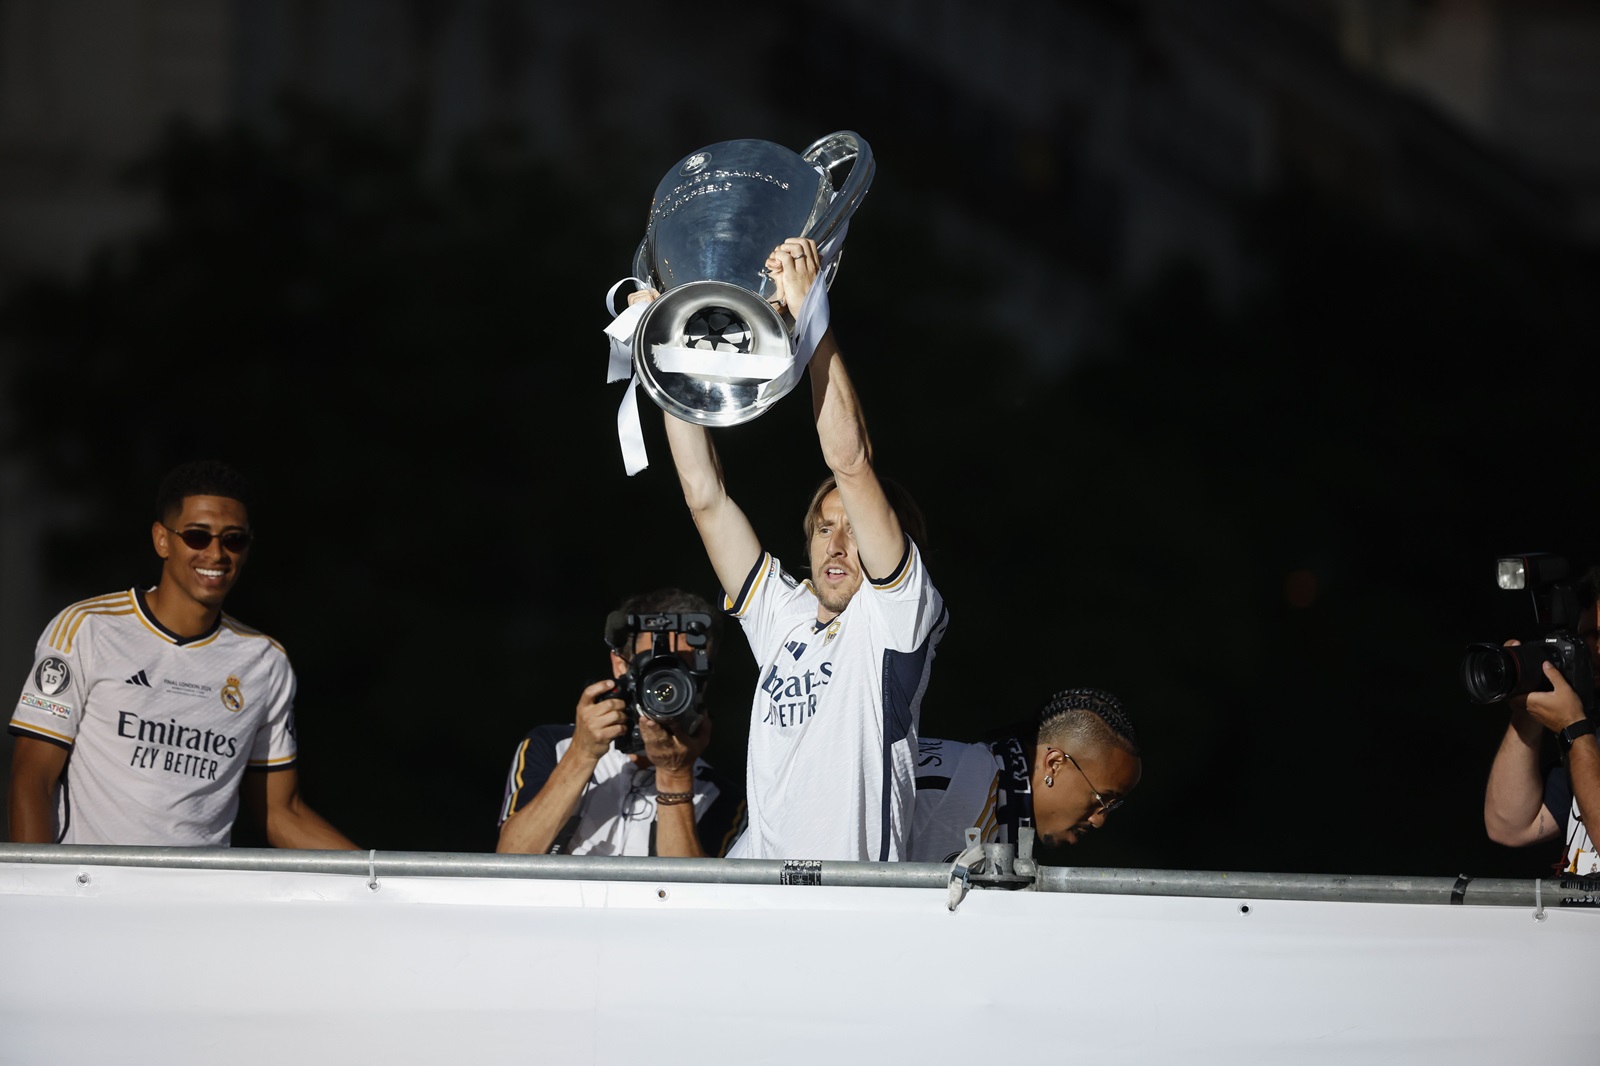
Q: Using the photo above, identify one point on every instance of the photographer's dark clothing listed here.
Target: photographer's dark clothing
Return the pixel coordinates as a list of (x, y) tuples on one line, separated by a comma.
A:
[(617, 814), (1579, 854)]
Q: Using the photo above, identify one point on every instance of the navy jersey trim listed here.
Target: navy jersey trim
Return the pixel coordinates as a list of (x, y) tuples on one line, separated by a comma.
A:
[(903, 672), (737, 604), (155, 623), (20, 729), (900, 568), (537, 758), (274, 768)]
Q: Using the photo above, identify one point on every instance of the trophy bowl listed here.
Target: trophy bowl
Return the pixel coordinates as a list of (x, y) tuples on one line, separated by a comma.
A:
[(715, 218)]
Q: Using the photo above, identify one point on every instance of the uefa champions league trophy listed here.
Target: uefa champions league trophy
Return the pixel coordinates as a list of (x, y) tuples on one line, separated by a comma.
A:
[(711, 349)]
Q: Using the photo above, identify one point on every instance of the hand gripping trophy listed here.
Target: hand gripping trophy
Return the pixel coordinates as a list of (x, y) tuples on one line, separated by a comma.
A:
[(712, 350)]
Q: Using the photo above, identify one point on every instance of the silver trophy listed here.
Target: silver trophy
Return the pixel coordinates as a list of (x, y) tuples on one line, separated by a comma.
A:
[(711, 349)]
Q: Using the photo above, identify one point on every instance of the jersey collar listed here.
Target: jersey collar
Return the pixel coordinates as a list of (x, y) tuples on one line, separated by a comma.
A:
[(148, 617)]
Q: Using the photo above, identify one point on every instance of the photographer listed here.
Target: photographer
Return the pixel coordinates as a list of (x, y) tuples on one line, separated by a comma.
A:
[(618, 782), (1521, 807)]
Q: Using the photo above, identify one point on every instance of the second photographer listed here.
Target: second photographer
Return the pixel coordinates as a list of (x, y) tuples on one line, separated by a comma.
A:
[(1523, 805), (626, 777)]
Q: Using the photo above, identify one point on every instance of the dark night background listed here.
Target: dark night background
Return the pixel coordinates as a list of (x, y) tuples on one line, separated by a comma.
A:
[(1224, 344)]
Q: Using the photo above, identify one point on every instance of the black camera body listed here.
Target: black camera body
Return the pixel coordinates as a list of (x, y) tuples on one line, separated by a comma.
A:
[(1492, 673), (659, 681)]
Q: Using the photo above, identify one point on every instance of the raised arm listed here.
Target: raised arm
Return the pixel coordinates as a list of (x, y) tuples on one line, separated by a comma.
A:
[(841, 426), (731, 542)]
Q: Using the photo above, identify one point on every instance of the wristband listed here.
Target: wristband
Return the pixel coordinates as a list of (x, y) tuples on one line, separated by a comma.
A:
[(668, 799), (1582, 728)]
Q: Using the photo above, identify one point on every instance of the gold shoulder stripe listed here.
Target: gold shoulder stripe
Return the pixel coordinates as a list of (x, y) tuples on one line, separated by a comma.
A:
[(39, 730), (83, 616), (522, 764), (905, 570), (759, 576), (240, 629), (64, 619), (279, 761)]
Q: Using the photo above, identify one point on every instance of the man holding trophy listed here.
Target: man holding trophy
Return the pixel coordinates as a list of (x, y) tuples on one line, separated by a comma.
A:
[(844, 657)]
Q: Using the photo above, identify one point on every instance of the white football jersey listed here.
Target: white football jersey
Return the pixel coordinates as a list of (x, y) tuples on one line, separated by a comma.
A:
[(833, 725), (160, 729), (968, 786)]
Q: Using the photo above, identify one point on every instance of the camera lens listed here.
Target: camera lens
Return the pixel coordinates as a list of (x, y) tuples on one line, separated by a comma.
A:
[(1492, 673), (1488, 673), (666, 692)]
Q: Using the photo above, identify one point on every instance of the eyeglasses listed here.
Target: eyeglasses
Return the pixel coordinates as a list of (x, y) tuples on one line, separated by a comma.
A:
[(234, 540), (1106, 806)]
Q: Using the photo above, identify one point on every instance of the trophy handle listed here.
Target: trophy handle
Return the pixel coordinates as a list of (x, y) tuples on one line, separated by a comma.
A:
[(830, 153)]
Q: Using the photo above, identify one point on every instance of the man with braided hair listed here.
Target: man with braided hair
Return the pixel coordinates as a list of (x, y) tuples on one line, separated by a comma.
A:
[(1061, 774)]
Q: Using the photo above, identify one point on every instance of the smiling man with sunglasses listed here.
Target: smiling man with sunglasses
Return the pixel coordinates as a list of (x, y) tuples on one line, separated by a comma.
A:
[(146, 709), (1061, 774)]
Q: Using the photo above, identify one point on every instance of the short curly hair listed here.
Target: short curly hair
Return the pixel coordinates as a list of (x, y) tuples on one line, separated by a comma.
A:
[(202, 477)]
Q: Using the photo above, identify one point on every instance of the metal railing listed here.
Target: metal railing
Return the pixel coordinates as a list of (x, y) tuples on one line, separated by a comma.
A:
[(1492, 892)]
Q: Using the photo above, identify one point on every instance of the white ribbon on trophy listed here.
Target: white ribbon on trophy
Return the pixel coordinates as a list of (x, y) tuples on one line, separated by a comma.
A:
[(810, 324)]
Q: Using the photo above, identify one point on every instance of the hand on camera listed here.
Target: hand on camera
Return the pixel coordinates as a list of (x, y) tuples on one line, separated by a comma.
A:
[(598, 722), (1557, 709), (673, 755)]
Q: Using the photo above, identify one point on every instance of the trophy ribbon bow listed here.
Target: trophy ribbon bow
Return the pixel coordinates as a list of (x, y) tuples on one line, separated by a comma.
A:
[(810, 324)]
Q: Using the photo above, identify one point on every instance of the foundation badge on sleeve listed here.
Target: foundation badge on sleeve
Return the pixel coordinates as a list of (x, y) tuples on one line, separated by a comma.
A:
[(232, 697)]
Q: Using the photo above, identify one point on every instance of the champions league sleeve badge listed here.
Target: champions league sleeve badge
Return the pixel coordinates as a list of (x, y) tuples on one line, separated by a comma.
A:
[(51, 677)]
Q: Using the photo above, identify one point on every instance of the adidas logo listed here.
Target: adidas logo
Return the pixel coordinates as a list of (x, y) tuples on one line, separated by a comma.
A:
[(796, 648), (138, 679)]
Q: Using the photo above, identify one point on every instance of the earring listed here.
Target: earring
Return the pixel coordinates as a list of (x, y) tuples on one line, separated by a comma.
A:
[(1049, 781)]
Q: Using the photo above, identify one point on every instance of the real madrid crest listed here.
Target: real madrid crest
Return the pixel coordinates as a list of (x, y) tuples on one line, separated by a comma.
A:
[(232, 695), (832, 631)]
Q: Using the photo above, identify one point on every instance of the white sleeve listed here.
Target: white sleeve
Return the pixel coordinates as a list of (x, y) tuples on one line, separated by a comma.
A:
[(275, 746), (770, 605), (905, 605), (53, 696)]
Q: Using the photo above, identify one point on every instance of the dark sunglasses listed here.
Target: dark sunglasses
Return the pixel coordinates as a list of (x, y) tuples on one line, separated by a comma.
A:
[(234, 540)]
